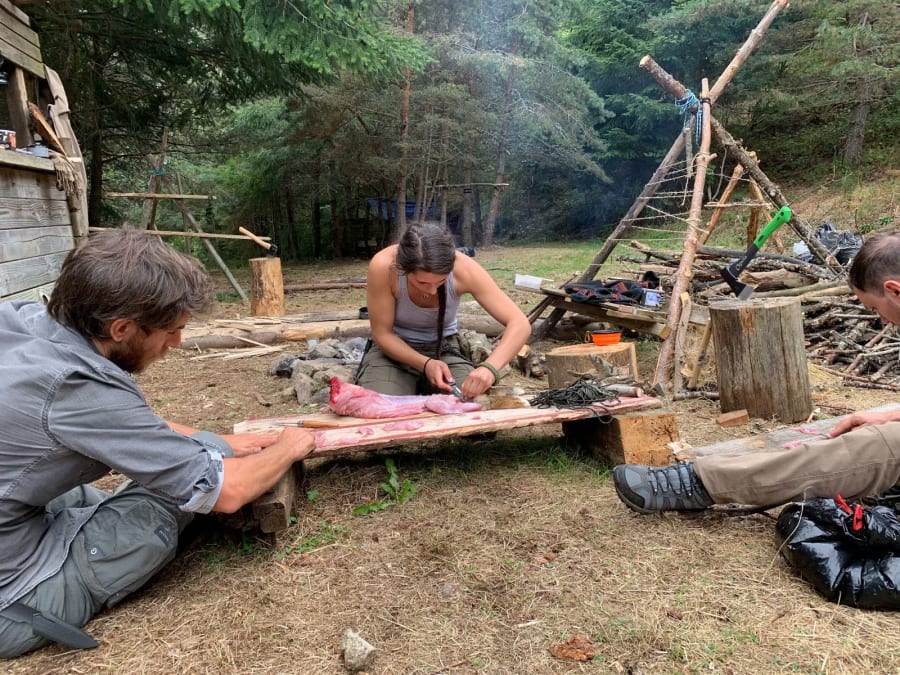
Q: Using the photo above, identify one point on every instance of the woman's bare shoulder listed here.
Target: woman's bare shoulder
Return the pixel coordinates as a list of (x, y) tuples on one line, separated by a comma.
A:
[(384, 259)]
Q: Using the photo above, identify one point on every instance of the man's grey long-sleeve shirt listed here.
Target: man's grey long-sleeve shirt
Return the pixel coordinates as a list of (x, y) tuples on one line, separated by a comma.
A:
[(67, 416)]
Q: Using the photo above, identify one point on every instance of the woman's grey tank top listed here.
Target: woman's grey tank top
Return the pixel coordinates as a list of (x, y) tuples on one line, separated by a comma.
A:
[(418, 324)]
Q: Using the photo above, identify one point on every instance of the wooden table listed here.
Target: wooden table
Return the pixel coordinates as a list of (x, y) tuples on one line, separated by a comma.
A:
[(632, 317)]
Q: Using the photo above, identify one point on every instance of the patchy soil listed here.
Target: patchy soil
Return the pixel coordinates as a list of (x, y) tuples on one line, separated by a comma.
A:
[(511, 547)]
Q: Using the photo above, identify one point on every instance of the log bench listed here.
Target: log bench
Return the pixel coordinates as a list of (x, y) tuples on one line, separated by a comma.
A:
[(339, 436)]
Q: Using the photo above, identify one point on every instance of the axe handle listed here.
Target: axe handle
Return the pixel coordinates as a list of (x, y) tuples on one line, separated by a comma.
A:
[(248, 233), (782, 216)]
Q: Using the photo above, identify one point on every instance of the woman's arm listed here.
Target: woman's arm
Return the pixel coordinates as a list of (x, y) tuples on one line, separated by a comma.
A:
[(470, 277)]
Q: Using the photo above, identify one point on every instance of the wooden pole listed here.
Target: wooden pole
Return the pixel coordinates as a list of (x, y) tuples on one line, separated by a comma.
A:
[(214, 254), (684, 273), (742, 54), (157, 163), (720, 209)]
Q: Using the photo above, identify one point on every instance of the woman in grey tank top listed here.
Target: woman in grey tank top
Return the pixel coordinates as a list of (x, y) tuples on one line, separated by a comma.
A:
[(414, 291)]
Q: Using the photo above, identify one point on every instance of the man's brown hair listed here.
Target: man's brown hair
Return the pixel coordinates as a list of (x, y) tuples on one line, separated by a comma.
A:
[(876, 262), (127, 274)]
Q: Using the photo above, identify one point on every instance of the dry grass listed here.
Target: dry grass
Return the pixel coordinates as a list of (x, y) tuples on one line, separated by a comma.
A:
[(510, 546)]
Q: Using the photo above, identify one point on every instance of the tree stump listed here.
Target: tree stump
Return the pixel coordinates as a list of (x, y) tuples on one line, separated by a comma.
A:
[(266, 287), (567, 364), (760, 358)]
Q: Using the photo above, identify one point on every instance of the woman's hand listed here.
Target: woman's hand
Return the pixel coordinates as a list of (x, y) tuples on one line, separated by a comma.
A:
[(477, 382), (438, 374)]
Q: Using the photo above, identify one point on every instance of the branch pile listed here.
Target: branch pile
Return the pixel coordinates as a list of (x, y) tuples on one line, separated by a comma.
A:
[(848, 340)]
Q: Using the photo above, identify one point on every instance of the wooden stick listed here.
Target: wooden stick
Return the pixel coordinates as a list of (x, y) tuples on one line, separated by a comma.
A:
[(684, 274), (176, 233), (701, 355), (720, 206), (155, 195)]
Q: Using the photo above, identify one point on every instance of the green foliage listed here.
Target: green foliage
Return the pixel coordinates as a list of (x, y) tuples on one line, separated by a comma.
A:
[(289, 112), (396, 492)]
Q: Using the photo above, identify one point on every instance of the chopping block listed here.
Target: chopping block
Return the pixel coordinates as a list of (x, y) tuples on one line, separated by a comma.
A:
[(566, 364), (641, 437)]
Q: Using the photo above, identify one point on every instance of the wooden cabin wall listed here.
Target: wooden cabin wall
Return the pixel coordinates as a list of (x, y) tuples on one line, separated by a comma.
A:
[(36, 222), (35, 228)]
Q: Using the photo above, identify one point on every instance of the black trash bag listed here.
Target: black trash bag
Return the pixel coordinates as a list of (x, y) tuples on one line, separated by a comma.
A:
[(842, 245), (850, 558)]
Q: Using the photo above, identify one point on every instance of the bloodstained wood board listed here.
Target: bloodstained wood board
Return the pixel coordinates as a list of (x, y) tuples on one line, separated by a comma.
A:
[(353, 434)]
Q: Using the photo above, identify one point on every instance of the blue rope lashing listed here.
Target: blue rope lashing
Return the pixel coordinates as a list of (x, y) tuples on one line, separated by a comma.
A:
[(684, 105)]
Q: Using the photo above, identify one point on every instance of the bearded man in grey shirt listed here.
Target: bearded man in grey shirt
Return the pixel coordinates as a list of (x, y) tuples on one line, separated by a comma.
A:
[(70, 412)]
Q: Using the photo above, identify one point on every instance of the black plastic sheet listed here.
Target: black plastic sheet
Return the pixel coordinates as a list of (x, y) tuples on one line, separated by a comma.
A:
[(850, 558), (842, 245)]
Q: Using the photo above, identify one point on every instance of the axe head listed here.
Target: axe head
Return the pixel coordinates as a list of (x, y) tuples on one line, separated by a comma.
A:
[(741, 290), (272, 251)]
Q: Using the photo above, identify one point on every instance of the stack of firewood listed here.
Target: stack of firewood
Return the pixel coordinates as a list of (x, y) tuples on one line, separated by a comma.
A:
[(845, 338)]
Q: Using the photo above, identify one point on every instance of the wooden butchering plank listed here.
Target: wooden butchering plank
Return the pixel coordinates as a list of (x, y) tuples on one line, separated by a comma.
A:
[(360, 435)]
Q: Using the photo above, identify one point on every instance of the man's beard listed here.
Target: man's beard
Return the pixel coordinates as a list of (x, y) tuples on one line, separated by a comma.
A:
[(129, 356)]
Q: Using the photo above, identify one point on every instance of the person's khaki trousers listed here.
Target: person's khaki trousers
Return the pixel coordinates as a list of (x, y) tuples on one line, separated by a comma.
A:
[(861, 463)]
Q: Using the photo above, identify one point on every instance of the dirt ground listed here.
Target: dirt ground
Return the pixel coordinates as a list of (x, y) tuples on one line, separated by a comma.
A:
[(510, 546)]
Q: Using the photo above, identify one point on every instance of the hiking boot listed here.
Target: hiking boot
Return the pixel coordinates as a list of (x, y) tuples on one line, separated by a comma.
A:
[(648, 489)]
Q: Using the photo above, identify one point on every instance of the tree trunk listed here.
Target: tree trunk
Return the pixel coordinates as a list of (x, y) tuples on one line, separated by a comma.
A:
[(500, 175), (856, 133), (293, 245), (266, 287), (315, 206), (400, 222), (468, 211)]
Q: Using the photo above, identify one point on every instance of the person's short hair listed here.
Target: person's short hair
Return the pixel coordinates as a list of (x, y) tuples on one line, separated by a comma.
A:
[(127, 274), (426, 246), (877, 261)]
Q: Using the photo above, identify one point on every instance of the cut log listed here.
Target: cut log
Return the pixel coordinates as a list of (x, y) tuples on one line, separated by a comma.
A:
[(631, 438), (760, 358), (733, 419), (266, 287), (567, 364)]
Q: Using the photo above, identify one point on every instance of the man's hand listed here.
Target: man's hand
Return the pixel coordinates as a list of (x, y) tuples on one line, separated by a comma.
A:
[(299, 440), (249, 443), (863, 419)]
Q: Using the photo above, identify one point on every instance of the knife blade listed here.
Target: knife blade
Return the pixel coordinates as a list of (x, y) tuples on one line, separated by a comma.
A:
[(49, 625), (457, 391)]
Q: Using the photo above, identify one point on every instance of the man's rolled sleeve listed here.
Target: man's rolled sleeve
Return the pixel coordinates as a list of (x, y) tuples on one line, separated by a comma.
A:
[(207, 489)]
